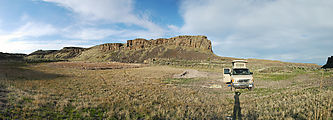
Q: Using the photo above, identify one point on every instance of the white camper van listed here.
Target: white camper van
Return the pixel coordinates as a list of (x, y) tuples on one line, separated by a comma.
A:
[(239, 76)]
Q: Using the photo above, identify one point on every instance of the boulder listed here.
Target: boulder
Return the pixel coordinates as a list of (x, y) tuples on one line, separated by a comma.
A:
[(190, 74), (329, 63)]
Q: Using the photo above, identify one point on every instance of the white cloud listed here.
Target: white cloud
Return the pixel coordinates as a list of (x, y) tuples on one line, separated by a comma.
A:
[(16, 41), (29, 30), (111, 11), (90, 33), (287, 30), (35, 30), (94, 14), (27, 46), (174, 28), (25, 17)]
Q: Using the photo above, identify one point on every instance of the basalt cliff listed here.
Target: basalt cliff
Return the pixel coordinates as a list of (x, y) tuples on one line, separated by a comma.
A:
[(136, 51)]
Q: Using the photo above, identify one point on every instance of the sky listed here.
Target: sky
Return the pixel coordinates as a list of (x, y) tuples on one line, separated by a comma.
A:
[(285, 30)]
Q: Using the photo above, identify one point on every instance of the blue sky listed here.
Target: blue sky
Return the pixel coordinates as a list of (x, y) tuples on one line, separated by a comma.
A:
[(292, 31)]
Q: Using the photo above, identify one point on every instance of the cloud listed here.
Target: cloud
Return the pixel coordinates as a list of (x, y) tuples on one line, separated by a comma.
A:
[(112, 10), (90, 33), (29, 29), (28, 46), (109, 11), (94, 22), (20, 40), (279, 29), (122, 21)]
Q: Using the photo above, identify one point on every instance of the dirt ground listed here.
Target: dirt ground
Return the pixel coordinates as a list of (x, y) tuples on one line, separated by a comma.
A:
[(65, 91)]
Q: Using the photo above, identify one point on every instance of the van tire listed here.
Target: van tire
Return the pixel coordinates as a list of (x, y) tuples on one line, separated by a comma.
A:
[(251, 88)]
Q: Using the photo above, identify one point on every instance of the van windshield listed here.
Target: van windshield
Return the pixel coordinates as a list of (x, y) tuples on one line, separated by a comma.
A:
[(241, 72)]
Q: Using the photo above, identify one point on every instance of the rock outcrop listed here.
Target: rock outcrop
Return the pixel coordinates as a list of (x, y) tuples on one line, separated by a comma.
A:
[(199, 42), (111, 46), (135, 51), (329, 63)]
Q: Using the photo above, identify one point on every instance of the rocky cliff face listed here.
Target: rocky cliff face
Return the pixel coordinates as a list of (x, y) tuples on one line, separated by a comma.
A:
[(199, 42), (137, 50), (111, 46), (329, 63)]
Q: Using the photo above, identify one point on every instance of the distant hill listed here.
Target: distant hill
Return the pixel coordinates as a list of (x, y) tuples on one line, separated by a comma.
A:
[(12, 56), (136, 51)]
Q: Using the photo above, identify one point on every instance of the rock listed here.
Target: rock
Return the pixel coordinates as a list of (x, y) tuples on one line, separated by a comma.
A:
[(200, 42), (138, 43), (191, 74), (329, 63), (215, 86), (72, 49), (138, 50), (111, 46)]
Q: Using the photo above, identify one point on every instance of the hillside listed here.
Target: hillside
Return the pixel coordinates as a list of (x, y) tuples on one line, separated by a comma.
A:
[(136, 51), (11, 56)]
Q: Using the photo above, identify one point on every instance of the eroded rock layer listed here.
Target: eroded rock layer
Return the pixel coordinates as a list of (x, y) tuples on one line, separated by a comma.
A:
[(137, 50), (200, 42)]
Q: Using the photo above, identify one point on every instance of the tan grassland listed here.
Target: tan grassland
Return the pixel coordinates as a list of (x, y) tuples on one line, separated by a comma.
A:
[(79, 90)]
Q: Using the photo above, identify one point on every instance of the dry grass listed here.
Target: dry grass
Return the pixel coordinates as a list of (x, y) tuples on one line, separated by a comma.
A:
[(95, 66), (61, 91)]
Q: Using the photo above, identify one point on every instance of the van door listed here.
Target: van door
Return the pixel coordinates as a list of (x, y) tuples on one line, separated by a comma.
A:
[(226, 75)]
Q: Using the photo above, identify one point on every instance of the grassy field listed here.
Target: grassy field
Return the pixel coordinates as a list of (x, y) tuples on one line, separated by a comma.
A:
[(131, 91)]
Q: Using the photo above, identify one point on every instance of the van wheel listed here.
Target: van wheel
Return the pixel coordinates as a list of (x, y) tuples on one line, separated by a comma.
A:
[(251, 88)]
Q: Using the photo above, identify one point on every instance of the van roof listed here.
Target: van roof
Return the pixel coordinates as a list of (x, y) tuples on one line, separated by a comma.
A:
[(239, 61)]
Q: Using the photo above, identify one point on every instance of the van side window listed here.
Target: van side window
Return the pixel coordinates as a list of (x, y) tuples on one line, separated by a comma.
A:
[(226, 71)]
